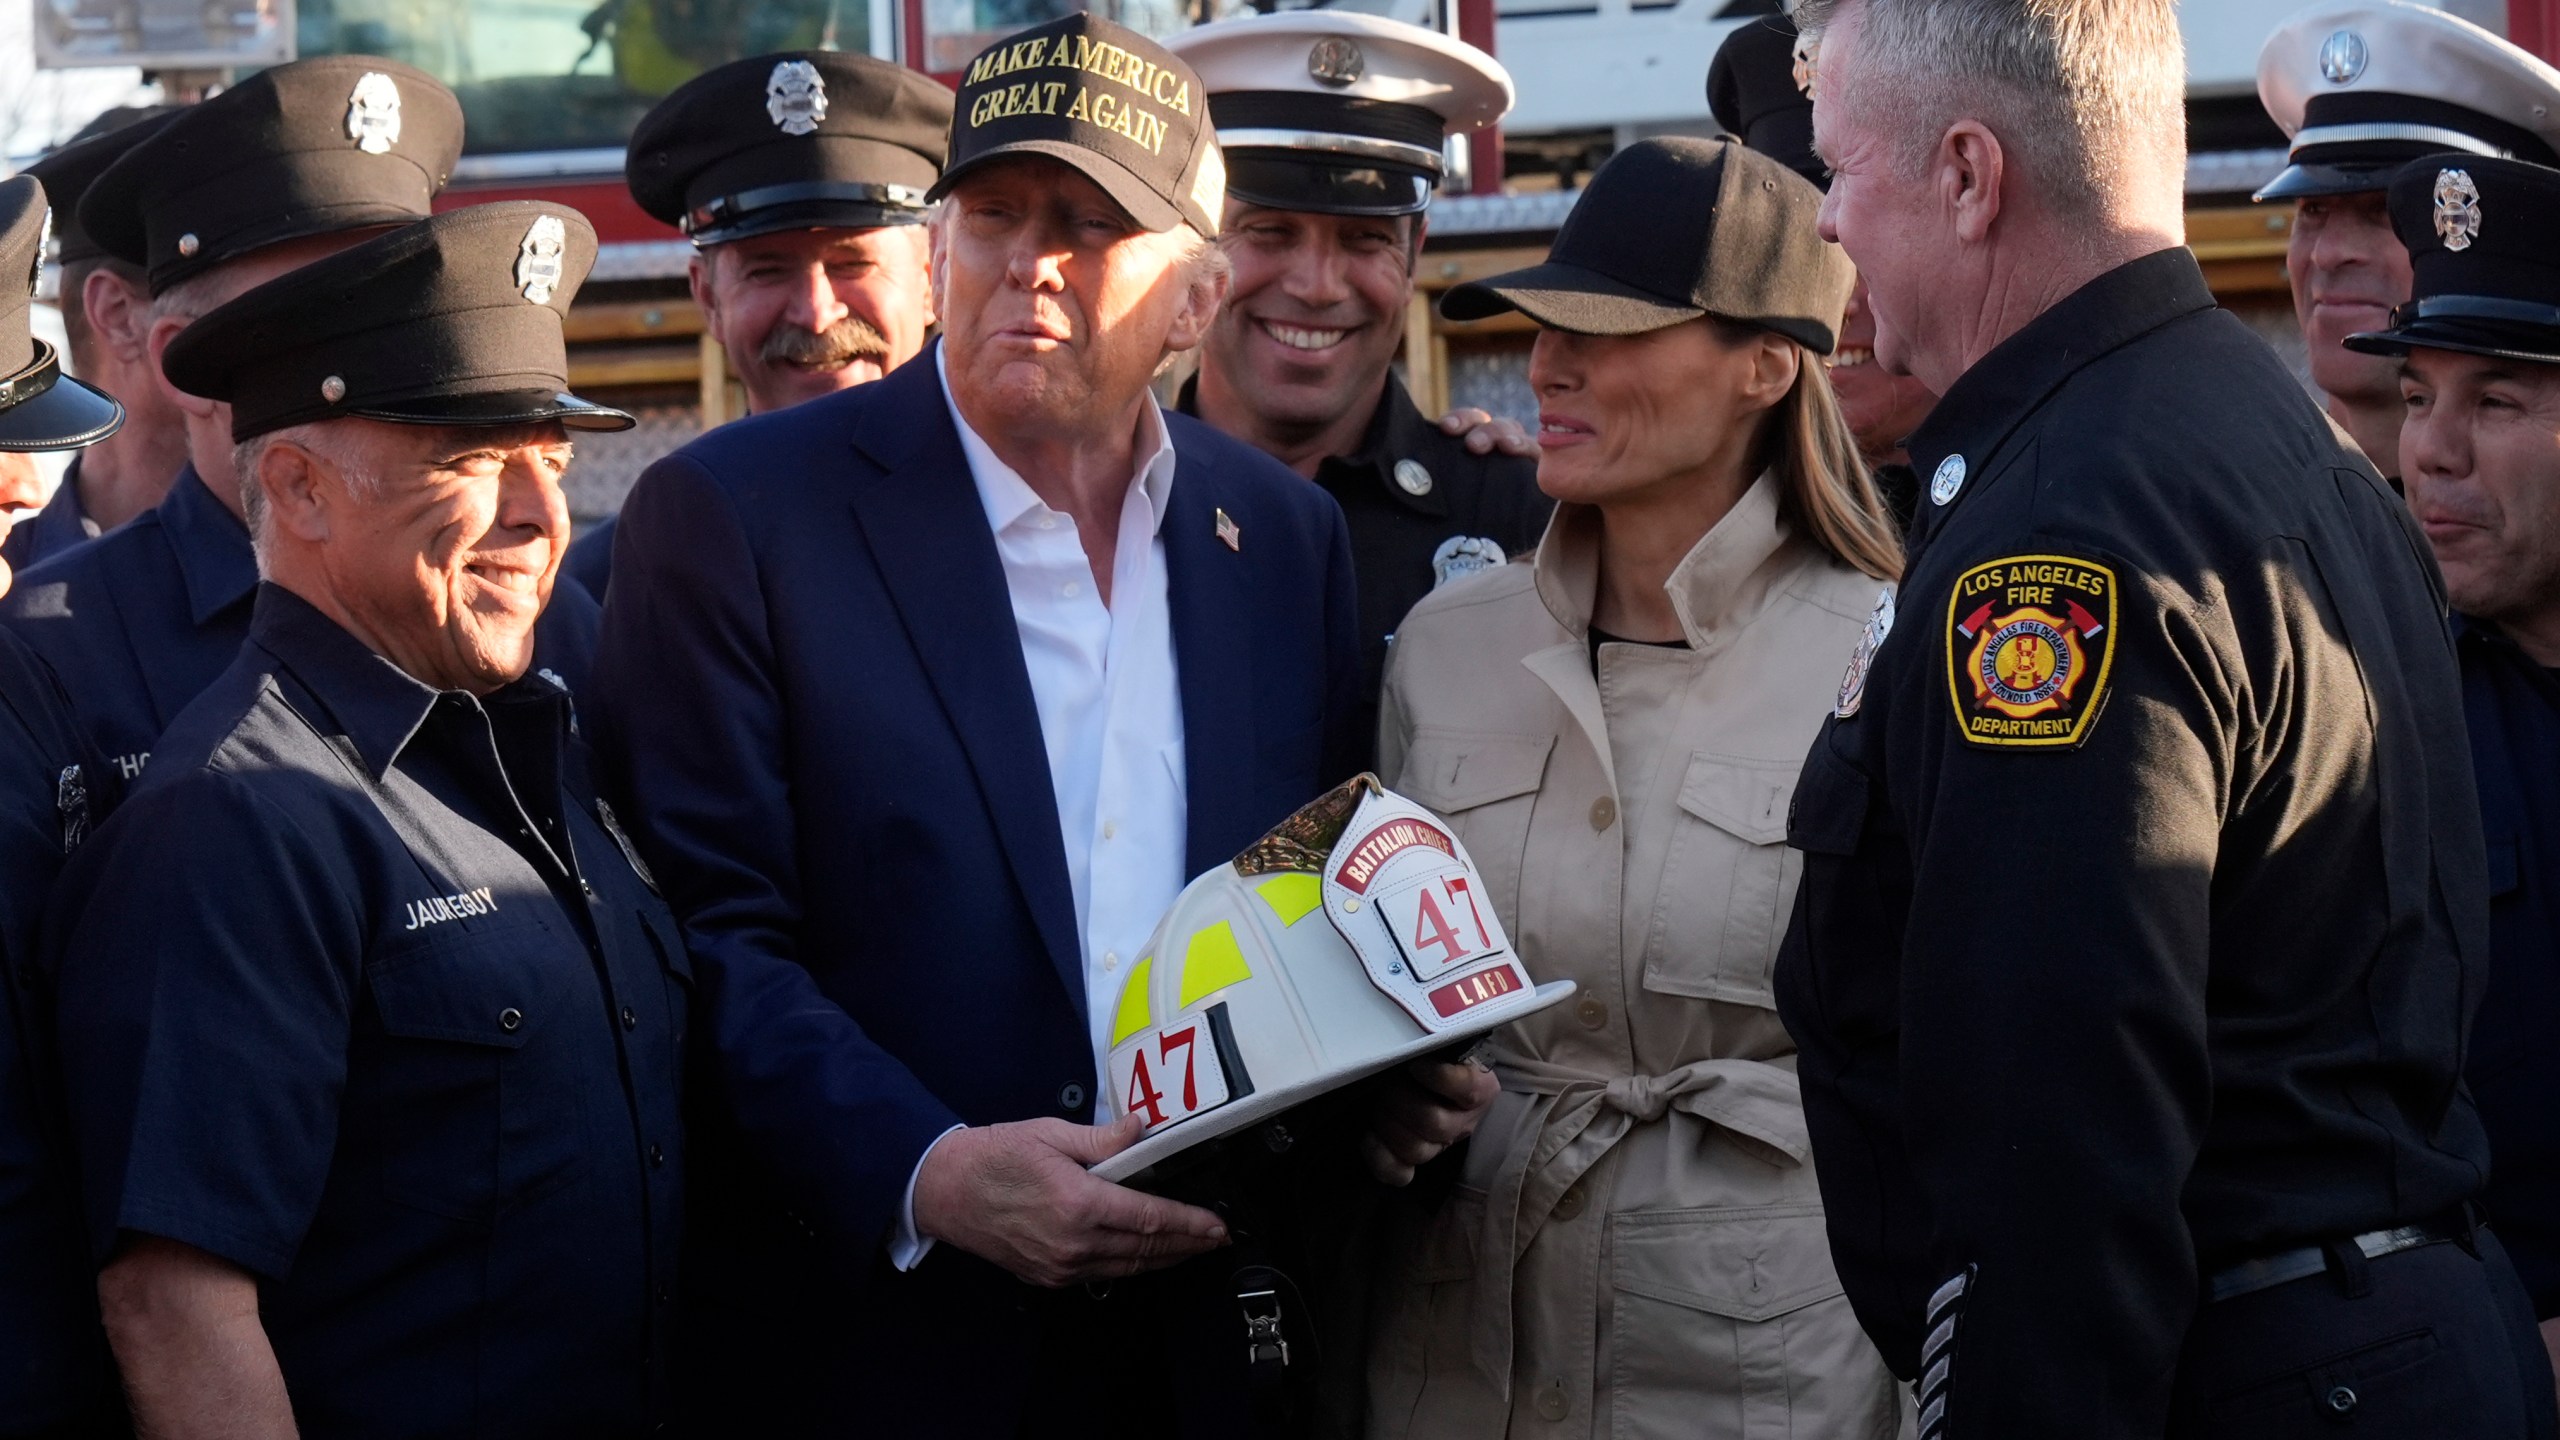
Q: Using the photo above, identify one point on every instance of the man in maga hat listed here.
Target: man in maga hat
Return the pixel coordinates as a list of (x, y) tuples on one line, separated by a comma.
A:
[(933, 694), (1334, 125), (2478, 353), (2364, 87), (371, 1026), (800, 179)]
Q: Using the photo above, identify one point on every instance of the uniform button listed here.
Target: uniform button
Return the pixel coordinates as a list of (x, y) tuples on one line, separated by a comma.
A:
[(510, 1018), (1551, 1402), (1071, 1097), (2340, 1400), (658, 1155), (588, 890), (1604, 813), (1591, 1013), (630, 1018), (1570, 1204)]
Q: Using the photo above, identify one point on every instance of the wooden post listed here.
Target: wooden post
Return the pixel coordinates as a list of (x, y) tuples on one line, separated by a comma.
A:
[(1484, 148), (715, 384)]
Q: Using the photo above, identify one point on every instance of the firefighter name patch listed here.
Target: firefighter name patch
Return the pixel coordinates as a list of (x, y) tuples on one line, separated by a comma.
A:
[(2029, 642)]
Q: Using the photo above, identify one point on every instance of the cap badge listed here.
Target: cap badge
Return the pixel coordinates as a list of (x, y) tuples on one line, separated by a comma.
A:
[(1460, 556), (1411, 478), (1229, 532), (333, 389), (2343, 58), (373, 113), (188, 244), (538, 259), (796, 97), (1336, 61), (2457, 210), (1949, 479)]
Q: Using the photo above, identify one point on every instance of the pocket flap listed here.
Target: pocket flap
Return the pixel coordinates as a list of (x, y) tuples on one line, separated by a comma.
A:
[(1747, 798), (1744, 1264), (1449, 770), (470, 989)]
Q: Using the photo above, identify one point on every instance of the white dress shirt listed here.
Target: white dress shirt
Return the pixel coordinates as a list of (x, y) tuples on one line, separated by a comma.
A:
[(1102, 678)]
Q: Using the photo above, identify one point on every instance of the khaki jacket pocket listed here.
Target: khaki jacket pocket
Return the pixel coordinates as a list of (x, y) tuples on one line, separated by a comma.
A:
[(1727, 881), (1484, 785), (1730, 1324)]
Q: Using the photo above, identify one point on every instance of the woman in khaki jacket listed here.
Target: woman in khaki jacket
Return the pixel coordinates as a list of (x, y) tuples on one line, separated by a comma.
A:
[(1634, 1246)]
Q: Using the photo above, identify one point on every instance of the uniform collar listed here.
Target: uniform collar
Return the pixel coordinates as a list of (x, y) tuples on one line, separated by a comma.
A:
[(211, 545), (1397, 431), (1990, 400), (1008, 497), (1720, 582), (379, 706)]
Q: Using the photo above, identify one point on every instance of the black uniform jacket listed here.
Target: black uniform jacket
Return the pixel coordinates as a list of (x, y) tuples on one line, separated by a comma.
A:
[(140, 620), (363, 992), (1403, 545), (2513, 704), (53, 1371), (57, 527), (2142, 916)]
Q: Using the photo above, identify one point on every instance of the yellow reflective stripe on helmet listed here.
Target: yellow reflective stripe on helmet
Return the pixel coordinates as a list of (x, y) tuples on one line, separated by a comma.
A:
[(1212, 962), (1291, 895), (1136, 1013)]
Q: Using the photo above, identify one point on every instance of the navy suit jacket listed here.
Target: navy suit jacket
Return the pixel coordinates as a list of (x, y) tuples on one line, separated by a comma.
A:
[(811, 686)]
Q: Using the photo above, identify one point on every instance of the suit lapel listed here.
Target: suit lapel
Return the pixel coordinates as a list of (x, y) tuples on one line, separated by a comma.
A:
[(928, 535), (1207, 586)]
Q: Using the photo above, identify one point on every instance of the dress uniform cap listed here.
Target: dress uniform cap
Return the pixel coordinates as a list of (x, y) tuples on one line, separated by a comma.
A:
[(2486, 279), (2364, 88), (1339, 113), (40, 407), (345, 142), (1672, 228), (68, 172), (454, 320), (1124, 111), (1354, 937), (1753, 92), (808, 139)]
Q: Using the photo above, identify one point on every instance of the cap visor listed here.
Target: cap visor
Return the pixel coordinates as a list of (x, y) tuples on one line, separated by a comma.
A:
[(1567, 297), (817, 216), (2534, 346), (1151, 210), (2298, 181), (1263, 1104), (1311, 186), (504, 407), (64, 416)]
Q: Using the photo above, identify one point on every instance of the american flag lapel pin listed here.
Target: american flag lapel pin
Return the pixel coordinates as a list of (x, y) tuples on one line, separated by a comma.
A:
[(1228, 532)]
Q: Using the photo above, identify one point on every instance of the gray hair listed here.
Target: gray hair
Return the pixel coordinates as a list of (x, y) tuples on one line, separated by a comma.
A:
[(315, 436), (2087, 96)]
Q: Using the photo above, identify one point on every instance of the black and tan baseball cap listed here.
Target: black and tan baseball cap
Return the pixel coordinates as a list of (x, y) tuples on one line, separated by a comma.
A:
[(1674, 228), (809, 139), (450, 321), (1124, 111), (317, 147), (40, 407)]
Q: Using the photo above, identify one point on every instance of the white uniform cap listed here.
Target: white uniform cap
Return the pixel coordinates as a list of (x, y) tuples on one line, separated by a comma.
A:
[(2364, 88), (1337, 112)]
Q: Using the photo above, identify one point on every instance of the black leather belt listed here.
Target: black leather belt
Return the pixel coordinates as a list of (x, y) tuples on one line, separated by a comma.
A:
[(2286, 1266)]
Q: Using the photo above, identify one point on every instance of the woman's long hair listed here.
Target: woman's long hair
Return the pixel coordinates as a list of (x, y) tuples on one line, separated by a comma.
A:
[(1825, 490)]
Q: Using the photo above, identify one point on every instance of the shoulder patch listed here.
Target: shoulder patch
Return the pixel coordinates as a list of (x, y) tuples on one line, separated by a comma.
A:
[(2030, 642)]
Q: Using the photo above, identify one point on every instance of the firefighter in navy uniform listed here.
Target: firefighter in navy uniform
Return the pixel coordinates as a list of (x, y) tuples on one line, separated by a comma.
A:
[(2478, 353), (54, 1380), (371, 1021), (2143, 906), (1333, 125)]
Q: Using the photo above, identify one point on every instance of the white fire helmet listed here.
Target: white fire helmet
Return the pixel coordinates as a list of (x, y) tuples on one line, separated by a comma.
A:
[(1352, 938)]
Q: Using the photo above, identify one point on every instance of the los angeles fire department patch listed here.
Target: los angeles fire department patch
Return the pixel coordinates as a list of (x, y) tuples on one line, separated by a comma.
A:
[(2030, 640)]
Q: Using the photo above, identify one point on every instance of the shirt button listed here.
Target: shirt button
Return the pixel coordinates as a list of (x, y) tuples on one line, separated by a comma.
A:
[(510, 1018), (2340, 1400), (1110, 829), (1591, 1013), (630, 1018), (1604, 813), (1569, 1204), (588, 890), (1071, 1097), (1072, 589), (1048, 522), (1551, 1402), (1110, 961), (657, 1155)]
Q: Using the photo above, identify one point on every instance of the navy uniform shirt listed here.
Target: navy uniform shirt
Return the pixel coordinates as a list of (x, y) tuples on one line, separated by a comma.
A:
[(140, 622), (1423, 510), (57, 527), (364, 992), (2513, 705), (53, 1371), (2142, 913)]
